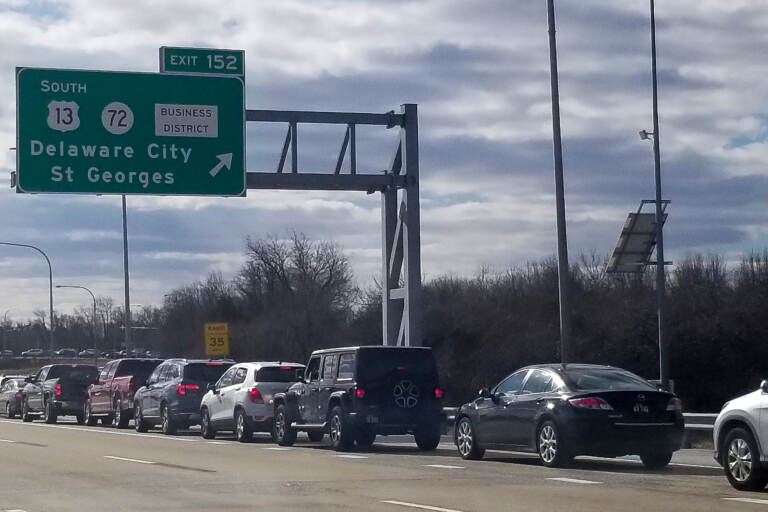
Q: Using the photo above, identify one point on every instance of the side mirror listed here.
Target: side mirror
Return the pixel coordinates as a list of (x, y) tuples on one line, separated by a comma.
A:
[(484, 393), (211, 386), (29, 378), (764, 386)]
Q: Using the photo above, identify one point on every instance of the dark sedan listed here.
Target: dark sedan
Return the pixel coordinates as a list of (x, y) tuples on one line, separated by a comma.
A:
[(561, 411), (10, 396)]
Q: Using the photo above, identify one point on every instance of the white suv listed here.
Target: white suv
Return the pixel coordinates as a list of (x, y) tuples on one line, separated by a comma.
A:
[(241, 401), (741, 440)]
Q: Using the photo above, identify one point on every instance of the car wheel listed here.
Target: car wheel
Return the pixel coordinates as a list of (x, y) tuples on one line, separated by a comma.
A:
[(656, 460), (8, 412), (466, 441), (80, 418), (742, 461), (282, 432), (138, 419), (427, 437), (49, 415), (243, 431), (339, 431), (552, 450), (167, 424), (365, 438), (25, 416), (90, 419), (206, 430), (120, 419), (315, 436)]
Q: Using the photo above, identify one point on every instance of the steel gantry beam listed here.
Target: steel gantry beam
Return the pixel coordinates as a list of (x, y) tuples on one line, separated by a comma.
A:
[(400, 213)]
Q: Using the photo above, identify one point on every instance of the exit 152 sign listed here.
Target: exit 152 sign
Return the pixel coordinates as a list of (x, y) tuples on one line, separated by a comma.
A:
[(105, 132), (202, 60)]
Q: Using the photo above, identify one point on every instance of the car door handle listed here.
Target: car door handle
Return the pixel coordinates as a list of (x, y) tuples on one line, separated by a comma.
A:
[(539, 401)]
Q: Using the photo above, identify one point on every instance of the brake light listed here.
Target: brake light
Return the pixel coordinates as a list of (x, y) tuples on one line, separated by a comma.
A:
[(255, 395), (359, 392), (17, 395), (213, 364), (675, 404), (286, 368), (439, 393), (591, 402), (57, 389), (182, 388)]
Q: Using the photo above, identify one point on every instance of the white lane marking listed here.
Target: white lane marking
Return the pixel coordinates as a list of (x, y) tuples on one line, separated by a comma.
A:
[(352, 456), (748, 500), (126, 459), (416, 505), (13, 510), (6, 441), (101, 431), (574, 481), (442, 466), (278, 448), (217, 442)]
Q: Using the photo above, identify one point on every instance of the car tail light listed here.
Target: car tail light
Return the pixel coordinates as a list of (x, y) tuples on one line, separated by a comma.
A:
[(359, 392), (591, 402), (675, 404), (286, 367), (57, 389), (439, 393), (255, 396), (213, 364), (17, 395), (182, 388)]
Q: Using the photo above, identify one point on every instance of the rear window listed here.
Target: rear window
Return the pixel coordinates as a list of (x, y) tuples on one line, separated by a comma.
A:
[(205, 372), (592, 379), (136, 368), (379, 364), (76, 372), (280, 374)]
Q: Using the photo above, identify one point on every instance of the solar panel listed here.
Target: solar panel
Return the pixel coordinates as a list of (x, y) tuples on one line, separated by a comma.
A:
[(636, 242)]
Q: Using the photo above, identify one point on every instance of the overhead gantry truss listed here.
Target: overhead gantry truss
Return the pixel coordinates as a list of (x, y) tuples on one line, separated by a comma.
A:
[(400, 212)]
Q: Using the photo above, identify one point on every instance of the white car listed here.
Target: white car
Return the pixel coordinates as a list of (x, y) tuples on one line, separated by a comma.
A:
[(741, 440), (241, 401)]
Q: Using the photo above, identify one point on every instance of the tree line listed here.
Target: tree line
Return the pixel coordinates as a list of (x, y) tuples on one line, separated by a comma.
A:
[(294, 295)]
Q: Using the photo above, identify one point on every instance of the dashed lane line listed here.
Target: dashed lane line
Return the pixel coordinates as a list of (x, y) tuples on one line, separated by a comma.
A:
[(278, 448), (416, 505), (347, 456), (442, 466), (748, 500), (574, 481), (126, 459)]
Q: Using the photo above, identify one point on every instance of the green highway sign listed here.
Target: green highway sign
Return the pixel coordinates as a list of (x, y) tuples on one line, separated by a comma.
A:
[(202, 61), (104, 132)]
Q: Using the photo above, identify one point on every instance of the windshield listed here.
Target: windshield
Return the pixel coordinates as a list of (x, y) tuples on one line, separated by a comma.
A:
[(75, 371), (280, 374), (205, 372), (592, 379), (136, 368), (377, 364)]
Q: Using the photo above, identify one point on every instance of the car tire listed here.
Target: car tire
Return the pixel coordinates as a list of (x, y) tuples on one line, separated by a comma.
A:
[(339, 430), (741, 461), (427, 437), (206, 429), (466, 440), (80, 418), (167, 425), (89, 418), (282, 432), (656, 459), (365, 438), (49, 415), (25, 416), (243, 430), (550, 446), (120, 419), (10, 413), (138, 419), (316, 436)]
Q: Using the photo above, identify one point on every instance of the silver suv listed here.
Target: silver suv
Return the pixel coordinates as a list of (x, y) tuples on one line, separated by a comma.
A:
[(241, 400), (741, 440)]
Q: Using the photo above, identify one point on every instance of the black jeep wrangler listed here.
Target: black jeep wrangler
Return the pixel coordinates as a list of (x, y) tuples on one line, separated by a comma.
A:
[(355, 393)]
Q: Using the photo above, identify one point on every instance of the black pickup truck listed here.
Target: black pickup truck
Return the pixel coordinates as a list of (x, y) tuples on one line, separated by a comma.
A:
[(57, 390)]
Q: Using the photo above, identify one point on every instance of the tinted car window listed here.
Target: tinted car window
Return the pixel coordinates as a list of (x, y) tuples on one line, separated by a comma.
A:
[(155, 376), (346, 366), (240, 376), (226, 379), (511, 384), (313, 370), (538, 382), (140, 369), (279, 374), (588, 379), (105, 372), (376, 365), (76, 372), (206, 372), (329, 366)]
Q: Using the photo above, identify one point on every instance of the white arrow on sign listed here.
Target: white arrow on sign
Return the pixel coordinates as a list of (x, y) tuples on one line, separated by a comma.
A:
[(225, 160)]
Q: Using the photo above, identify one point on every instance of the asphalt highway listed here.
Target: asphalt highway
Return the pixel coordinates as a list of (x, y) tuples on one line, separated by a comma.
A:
[(67, 467)]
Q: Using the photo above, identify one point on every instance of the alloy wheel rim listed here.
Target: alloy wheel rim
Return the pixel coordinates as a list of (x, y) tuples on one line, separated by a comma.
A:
[(240, 426), (118, 416), (165, 419), (204, 422), (335, 428), (739, 460), (87, 412), (280, 425), (465, 438), (548, 444)]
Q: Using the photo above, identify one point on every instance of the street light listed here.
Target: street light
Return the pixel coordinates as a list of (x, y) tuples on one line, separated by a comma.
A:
[(50, 279), (5, 320), (93, 319)]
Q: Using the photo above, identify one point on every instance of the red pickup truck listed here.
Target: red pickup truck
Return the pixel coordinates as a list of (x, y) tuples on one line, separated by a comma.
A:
[(111, 398)]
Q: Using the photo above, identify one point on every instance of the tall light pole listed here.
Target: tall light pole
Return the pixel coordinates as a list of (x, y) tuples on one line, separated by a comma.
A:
[(93, 319), (5, 320), (562, 239), (127, 311), (50, 281)]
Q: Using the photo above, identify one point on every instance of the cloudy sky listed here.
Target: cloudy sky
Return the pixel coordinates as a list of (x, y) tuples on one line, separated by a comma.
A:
[(479, 72)]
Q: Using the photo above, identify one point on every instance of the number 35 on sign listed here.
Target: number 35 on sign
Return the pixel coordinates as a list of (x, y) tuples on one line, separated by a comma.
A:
[(217, 339)]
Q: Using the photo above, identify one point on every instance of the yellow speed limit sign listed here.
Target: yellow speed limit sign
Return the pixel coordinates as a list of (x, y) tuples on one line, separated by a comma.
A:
[(217, 339)]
